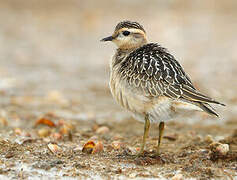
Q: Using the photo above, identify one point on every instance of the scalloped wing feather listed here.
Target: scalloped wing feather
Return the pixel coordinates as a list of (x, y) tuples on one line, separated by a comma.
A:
[(153, 70)]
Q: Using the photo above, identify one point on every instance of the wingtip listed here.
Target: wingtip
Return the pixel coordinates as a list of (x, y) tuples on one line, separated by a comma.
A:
[(208, 109), (217, 115), (214, 114), (222, 104)]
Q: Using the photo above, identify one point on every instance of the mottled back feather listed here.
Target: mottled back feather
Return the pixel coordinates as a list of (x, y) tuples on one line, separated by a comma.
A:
[(153, 70)]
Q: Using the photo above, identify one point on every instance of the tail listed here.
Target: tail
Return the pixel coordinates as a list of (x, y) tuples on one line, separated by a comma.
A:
[(195, 96), (200, 100)]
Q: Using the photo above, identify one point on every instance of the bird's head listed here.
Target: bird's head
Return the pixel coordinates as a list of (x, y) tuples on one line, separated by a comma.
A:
[(128, 35)]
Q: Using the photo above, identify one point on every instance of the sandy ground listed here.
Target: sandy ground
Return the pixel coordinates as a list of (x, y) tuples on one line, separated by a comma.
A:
[(54, 94)]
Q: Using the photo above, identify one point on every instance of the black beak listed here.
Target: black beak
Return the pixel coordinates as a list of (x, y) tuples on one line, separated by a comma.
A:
[(110, 38)]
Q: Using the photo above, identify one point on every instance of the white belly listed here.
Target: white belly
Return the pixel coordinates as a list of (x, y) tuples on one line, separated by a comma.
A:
[(165, 109), (127, 98), (159, 108)]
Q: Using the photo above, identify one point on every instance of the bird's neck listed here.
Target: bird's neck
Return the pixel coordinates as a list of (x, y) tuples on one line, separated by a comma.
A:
[(122, 53), (120, 56), (129, 47)]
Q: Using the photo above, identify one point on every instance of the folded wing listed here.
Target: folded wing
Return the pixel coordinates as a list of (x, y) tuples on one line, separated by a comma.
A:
[(153, 70)]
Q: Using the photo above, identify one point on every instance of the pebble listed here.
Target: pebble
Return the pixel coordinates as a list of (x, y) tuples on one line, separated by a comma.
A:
[(88, 147), (223, 149), (18, 131), (208, 139), (44, 121), (219, 148), (98, 148), (44, 132), (93, 148), (54, 148), (102, 130)]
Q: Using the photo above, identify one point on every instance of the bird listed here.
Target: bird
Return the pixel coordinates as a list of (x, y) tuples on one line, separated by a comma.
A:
[(147, 80)]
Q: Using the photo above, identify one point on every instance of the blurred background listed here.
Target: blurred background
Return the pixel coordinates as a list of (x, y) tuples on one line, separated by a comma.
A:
[(54, 74), (51, 57)]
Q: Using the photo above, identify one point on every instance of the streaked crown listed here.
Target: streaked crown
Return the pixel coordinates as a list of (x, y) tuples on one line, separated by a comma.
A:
[(129, 25)]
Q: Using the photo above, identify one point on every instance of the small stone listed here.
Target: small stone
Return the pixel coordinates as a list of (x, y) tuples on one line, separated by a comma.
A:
[(54, 148), (223, 149), (208, 139), (92, 148), (98, 148), (18, 131), (88, 147), (102, 130), (44, 121), (177, 177), (44, 132)]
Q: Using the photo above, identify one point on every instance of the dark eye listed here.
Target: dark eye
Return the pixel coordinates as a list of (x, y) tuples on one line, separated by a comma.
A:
[(126, 33)]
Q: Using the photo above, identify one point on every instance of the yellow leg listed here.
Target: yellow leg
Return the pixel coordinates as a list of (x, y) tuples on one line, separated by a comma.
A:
[(161, 131), (146, 131)]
